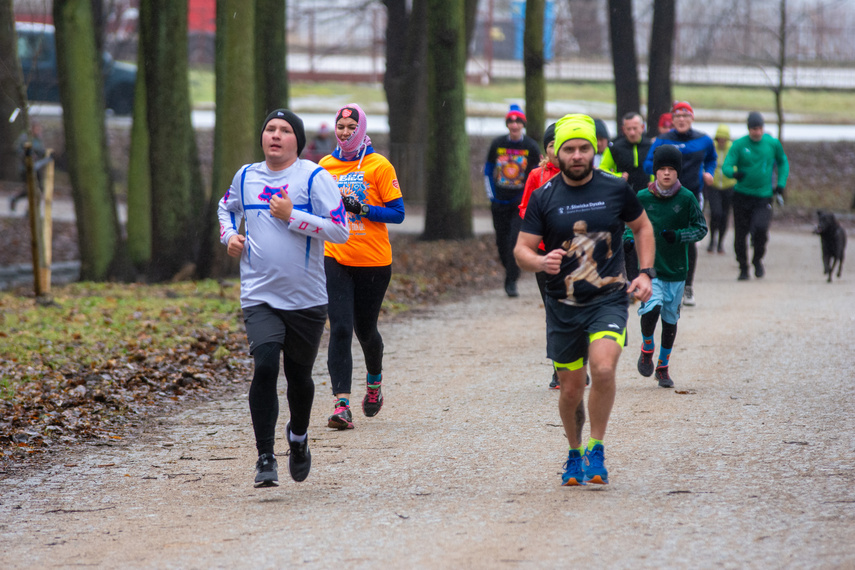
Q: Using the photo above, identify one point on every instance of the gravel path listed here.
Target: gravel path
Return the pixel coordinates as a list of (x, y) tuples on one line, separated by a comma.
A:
[(749, 463)]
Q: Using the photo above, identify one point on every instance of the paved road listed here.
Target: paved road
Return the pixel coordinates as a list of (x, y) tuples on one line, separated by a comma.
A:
[(751, 466)]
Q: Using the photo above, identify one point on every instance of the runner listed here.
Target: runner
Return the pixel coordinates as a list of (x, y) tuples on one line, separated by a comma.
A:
[(677, 221), (750, 161), (578, 216), (699, 160), (290, 207), (509, 161), (359, 271)]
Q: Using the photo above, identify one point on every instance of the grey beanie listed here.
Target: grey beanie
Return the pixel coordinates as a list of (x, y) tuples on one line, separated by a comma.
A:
[(755, 120)]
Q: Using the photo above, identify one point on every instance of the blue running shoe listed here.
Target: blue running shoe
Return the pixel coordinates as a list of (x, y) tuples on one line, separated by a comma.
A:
[(573, 472), (595, 470)]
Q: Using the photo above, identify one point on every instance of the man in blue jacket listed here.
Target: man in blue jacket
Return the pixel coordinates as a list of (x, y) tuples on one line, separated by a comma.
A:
[(699, 160)]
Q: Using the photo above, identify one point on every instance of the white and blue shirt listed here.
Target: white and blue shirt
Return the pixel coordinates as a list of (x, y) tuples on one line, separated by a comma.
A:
[(282, 263)]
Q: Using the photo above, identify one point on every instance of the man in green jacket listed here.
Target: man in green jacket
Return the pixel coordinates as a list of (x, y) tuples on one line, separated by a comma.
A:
[(750, 161)]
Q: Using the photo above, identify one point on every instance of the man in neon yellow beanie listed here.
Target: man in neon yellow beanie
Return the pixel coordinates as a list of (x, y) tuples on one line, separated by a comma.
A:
[(580, 217)]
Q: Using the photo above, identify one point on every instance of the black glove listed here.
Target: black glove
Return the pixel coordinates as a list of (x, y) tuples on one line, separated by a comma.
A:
[(352, 205), (779, 190), (670, 236), (628, 245), (738, 175)]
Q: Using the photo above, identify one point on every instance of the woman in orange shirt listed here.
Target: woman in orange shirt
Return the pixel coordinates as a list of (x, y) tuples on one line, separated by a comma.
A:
[(359, 271)]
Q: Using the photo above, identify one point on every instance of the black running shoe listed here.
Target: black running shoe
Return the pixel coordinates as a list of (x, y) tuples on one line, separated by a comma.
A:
[(743, 274), (373, 400), (554, 385), (664, 378), (266, 474), (759, 270), (645, 364), (342, 418), (511, 288), (300, 458)]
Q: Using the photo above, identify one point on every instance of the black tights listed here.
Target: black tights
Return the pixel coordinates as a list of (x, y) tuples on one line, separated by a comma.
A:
[(264, 400), (355, 297), (648, 327)]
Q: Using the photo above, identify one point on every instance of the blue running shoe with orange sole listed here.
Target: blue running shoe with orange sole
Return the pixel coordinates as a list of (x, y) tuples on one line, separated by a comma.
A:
[(574, 473), (595, 470)]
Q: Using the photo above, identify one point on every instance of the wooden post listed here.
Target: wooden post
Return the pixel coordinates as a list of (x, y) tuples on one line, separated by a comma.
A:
[(47, 224), (34, 203)]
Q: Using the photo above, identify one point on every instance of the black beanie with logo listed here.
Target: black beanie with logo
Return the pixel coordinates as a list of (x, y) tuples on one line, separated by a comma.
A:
[(293, 120)]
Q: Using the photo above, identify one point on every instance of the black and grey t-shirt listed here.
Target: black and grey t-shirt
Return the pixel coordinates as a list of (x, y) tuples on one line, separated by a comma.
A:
[(587, 222)]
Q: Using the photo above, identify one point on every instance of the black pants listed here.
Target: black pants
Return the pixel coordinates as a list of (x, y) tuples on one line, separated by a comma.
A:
[(751, 216), (506, 223), (355, 297), (720, 201), (297, 335)]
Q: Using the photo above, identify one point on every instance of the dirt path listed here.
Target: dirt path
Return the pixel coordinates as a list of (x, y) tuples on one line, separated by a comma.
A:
[(754, 468)]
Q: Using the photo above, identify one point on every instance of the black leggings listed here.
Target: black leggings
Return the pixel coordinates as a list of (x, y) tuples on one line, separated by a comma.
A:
[(355, 297), (719, 201), (264, 400), (648, 327)]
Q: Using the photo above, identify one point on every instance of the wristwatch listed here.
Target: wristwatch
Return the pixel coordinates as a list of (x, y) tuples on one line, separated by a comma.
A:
[(649, 271), (364, 209)]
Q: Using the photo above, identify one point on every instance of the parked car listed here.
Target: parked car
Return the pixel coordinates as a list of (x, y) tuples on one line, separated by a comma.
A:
[(37, 53)]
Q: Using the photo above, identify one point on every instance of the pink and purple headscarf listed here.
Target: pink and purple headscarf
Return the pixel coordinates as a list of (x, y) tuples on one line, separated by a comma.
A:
[(358, 141)]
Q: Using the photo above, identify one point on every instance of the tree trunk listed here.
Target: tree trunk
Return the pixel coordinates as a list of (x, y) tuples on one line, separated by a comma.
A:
[(587, 28), (82, 97), (448, 214), (535, 80), (271, 52), (139, 176), (405, 83), (176, 191), (782, 66), (237, 129), (14, 95), (624, 59), (661, 56)]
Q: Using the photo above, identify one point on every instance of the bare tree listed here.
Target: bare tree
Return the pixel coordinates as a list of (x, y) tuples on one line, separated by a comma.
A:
[(448, 214), (12, 93), (587, 28), (661, 57), (624, 58), (82, 97), (534, 62)]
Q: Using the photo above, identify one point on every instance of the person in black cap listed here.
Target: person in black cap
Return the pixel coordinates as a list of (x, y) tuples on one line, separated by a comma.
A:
[(751, 160), (677, 221), (510, 160), (290, 208)]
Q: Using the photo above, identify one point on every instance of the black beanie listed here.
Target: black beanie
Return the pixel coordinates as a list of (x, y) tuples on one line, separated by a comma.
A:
[(548, 135), (668, 155), (293, 120), (602, 129), (755, 119)]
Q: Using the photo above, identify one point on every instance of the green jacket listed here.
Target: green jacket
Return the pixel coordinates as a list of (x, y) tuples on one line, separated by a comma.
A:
[(682, 214), (757, 160)]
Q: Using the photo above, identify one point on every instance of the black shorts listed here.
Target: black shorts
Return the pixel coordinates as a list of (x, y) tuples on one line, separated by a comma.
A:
[(570, 329), (298, 332)]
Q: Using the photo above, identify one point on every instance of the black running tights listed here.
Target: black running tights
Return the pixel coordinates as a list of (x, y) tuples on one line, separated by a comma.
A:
[(355, 297), (648, 327), (264, 400)]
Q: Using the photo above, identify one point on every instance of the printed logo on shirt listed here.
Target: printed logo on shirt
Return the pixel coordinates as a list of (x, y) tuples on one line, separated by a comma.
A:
[(576, 208), (339, 215), (226, 197), (269, 192), (395, 184)]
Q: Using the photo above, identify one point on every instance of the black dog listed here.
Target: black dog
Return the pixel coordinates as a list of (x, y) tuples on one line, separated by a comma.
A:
[(833, 239)]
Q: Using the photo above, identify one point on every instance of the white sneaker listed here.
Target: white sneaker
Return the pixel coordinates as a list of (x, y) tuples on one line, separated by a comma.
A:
[(688, 296)]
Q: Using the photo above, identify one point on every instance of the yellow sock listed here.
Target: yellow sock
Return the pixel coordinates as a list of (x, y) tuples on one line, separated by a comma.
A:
[(581, 450), (592, 442)]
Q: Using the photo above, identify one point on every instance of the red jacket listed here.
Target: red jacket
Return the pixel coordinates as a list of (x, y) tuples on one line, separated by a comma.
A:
[(538, 177)]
